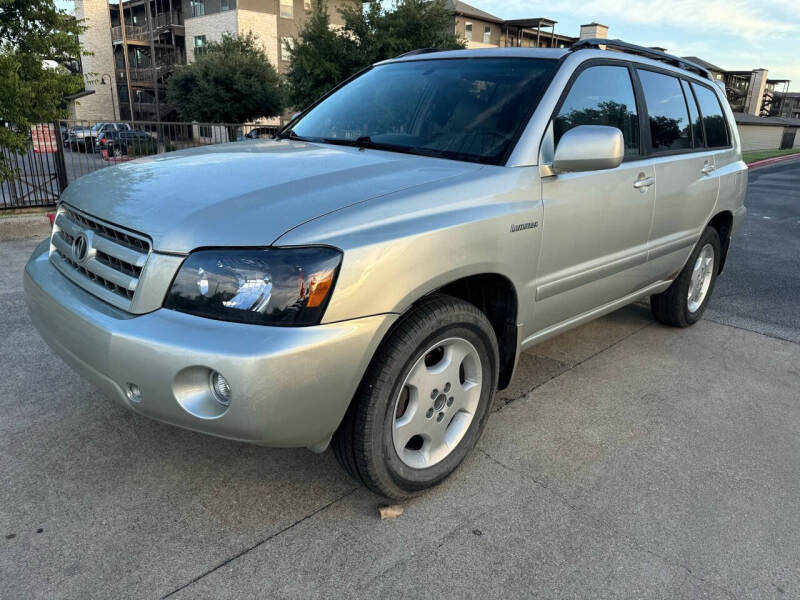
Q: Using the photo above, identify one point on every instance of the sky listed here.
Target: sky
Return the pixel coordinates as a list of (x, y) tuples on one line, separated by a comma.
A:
[(737, 35), (732, 34)]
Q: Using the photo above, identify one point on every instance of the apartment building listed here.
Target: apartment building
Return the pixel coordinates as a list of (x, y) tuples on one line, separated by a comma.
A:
[(787, 104), (749, 92), (481, 29), (134, 46), (274, 22)]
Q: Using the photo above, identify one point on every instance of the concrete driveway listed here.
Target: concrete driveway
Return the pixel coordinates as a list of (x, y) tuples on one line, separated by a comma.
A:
[(627, 460)]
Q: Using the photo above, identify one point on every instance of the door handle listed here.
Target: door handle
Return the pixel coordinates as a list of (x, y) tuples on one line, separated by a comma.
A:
[(643, 184), (707, 168)]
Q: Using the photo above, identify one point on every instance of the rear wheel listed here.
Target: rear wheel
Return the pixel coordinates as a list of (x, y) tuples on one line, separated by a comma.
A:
[(684, 302), (424, 400)]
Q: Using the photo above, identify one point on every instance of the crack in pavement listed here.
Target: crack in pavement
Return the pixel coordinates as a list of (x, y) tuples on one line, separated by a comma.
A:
[(600, 524), (261, 543)]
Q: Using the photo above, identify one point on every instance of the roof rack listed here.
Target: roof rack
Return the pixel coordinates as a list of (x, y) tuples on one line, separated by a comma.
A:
[(621, 46), (421, 51)]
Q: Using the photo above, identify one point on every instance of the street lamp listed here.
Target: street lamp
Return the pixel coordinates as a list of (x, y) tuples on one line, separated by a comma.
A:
[(138, 103), (110, 82)]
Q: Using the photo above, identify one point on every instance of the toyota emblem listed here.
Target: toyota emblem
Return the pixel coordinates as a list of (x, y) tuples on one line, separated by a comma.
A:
[(80, 248)]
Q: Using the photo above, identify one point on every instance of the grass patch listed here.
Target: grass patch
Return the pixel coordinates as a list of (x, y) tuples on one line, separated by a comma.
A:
[(33, 210), (756, 155)]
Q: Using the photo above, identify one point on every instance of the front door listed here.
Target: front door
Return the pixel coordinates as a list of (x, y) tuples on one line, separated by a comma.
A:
[(596, 224), (789, 134)]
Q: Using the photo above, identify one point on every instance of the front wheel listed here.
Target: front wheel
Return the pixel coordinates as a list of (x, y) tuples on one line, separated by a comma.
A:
[(424, 401), (683, 303)]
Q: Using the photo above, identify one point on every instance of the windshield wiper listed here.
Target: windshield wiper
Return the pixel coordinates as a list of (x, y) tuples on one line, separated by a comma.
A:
[(291, 135), (364, 141)]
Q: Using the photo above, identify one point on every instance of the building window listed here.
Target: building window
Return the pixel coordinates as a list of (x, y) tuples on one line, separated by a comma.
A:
[(225, 4), (468, 31), (487, 34), (287, 9), (199, 45), (286, 44), (198, 8)]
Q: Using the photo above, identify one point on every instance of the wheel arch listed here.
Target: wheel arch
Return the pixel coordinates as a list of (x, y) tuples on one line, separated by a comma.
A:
[(496, 297), (723, 223)]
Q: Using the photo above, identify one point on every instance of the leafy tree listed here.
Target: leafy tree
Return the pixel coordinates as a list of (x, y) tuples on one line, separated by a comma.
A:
[(38, 66), (231, 82), (406, 26), (322, 58)]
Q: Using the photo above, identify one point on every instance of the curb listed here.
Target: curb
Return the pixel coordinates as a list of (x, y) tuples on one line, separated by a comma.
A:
[(771, 161), (24, 226)]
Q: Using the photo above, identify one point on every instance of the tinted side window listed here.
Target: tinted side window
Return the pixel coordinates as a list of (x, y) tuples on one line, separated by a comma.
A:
[(713, 119), (666, 109), (601, 95), (694, 115)]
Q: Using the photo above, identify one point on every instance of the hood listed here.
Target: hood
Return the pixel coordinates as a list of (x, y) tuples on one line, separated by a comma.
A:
[(247, 193)]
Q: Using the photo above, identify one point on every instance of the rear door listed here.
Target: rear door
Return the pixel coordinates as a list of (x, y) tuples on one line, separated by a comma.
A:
[(596, 223), (685, 170)]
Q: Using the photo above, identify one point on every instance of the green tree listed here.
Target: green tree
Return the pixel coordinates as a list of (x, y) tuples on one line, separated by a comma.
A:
[(231, 82), (39, 49), (322, 58)]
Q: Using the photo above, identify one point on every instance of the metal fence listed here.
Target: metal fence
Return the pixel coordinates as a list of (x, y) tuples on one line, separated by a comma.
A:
[(80, 147)]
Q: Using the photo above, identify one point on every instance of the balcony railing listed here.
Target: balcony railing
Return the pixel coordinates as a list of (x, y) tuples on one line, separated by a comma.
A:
[(141, 31)]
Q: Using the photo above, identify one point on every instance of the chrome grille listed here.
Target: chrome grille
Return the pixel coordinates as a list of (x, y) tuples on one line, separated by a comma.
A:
[(107, 261)]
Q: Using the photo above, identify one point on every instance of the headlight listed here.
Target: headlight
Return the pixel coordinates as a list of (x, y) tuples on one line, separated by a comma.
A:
[(271, 286)]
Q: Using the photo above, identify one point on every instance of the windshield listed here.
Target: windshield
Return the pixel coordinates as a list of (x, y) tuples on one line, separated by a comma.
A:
[(463, 109)]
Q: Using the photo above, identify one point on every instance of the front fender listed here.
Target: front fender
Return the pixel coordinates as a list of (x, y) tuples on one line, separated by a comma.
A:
[(400, 247)]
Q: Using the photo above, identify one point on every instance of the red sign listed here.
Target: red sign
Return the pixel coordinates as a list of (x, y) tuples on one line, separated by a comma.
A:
[(44, 138)]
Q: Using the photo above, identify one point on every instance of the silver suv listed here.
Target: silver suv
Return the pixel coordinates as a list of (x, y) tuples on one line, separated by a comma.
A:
[(370, 278)]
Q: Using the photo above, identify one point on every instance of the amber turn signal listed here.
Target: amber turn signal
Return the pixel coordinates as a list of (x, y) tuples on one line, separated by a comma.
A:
[(319, 284)]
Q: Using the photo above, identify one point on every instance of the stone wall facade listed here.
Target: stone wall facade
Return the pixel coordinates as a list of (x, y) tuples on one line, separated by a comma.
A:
[(97, 40), (265, 27), (211, 26)]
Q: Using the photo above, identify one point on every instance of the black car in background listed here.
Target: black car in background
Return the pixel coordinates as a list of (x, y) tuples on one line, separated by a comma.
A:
[(258, 133), (127, 142)]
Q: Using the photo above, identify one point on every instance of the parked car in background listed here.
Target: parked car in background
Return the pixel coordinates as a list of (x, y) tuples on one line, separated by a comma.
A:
[(76, 136), (370, 278), (258, 133), (125, 142), (97, 131)]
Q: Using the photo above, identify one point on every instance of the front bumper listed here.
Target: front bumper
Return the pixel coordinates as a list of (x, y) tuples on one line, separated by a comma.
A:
[(290, 385)]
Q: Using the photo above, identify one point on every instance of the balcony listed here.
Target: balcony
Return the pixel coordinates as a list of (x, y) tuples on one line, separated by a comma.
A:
[(141, 32)]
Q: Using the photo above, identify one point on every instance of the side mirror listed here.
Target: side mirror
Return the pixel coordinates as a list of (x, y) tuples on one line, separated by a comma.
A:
[(589, 148)]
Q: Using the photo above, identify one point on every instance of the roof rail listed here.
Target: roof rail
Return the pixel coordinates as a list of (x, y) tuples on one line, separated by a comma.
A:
[(422, 51), (621, 46)]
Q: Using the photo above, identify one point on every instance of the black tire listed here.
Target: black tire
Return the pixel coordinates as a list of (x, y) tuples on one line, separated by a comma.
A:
[(363, 444), (671, 307)]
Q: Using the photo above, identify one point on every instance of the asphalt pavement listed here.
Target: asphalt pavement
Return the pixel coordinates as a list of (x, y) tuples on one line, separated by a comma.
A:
[(627, 459)]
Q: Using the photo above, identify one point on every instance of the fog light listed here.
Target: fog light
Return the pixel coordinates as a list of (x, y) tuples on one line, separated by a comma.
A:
[(220, 388), (133, 392)]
